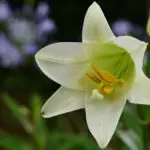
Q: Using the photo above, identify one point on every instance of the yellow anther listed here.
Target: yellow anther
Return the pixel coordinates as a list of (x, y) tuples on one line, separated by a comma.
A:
[(104, 75), (107, 76), (107, 89), (100, 86), (106, 82), (93, 77), (120, 82)]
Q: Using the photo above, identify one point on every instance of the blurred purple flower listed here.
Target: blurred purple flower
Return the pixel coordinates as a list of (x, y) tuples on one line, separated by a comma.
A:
[(145, 60), (122, 27), (42, 10), (30, 49), (5, 11), (22, 30), (46, 26), (9, 54)]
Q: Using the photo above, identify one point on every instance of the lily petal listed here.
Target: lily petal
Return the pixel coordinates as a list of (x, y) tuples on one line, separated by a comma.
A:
[(140, 93), (102, 118), (135, 47), (63, 62), (62, 101), (96, 27)]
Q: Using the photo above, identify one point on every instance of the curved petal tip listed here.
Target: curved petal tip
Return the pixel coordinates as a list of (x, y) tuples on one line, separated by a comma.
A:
[(94, 3), (94, 6), (96, 27), (43, 114)]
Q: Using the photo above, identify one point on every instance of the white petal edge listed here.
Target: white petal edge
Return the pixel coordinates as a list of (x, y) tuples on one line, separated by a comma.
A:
[(96, 27), (63, 101), (102, 118), (140, 93), (63, 62), (64, 52)]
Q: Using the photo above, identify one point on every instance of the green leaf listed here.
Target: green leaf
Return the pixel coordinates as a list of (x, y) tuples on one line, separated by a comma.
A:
[(131, 139), (12, 142), (18, 112), (63, 141), (40, 131), (131, 120), (145, 111)]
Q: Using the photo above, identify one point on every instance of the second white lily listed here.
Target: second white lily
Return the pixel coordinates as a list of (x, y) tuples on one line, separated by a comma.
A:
[(99, 74)]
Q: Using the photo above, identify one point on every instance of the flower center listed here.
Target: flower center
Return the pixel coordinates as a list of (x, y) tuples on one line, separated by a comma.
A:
[(105, 81)]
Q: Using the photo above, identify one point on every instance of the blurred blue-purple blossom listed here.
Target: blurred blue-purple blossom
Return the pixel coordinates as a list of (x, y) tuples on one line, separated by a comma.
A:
[(5, 11), (125, 27), (145, 60), (10, 56), (122, 27), (22, 30), (26, 27), (30, 49), (46, 26), (42, 10)]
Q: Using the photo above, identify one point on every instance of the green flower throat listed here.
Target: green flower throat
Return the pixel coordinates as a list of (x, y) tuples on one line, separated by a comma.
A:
[(111, 70)]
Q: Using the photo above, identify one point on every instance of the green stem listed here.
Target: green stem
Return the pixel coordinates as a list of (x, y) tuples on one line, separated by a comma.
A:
[(146, 138), (145, 128)]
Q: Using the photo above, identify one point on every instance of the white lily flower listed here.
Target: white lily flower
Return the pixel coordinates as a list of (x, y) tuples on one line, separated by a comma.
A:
[(99, 74)]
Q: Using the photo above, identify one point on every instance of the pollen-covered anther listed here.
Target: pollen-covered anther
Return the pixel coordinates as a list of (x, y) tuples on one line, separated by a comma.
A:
[(120, 82), (93, 77), (106, 76), (105, 89)]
